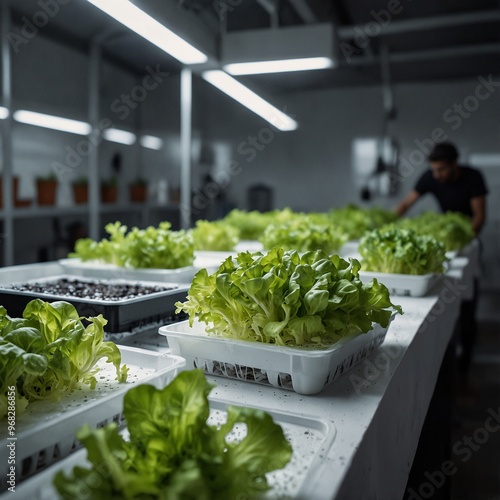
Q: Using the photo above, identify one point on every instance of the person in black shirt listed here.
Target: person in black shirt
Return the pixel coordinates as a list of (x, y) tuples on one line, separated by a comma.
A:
[(462, 189), (457, 188)]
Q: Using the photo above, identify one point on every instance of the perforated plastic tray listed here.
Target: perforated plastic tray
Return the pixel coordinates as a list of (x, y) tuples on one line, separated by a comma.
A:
[(46, 432), (305, 371), (309, 436)]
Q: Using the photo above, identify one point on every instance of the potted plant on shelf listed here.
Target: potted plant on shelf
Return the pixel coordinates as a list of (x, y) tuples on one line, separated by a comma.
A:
[(138, 190), (109, 190), (46, 189), (81, 190)]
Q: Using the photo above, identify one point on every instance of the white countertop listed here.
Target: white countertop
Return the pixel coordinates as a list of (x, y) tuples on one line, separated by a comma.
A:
[(377, 407)]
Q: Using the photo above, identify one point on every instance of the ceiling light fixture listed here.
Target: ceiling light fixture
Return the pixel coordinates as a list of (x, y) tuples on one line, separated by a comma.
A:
[(250, 99), (291, 48), (279, 66), (119, 136), (52, 122), (4, 113), (151, 142), (149, 28)]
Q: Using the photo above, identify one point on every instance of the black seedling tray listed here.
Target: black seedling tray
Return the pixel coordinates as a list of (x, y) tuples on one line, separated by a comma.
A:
[(127, 305)]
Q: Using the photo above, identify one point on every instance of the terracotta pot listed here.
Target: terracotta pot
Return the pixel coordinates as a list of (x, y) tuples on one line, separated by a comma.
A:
[(109, 194), (80, 193), (138, 193), (46, 191)]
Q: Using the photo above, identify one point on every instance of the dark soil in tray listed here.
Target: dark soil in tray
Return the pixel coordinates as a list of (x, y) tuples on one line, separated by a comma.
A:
[(126, 306), (96, 290)]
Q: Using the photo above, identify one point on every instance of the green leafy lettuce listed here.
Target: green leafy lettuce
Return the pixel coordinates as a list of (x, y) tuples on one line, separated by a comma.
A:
[(401, 251), (355, 221), (214, 235), (49, 351), (304, 232), (251, 225), (153, 247), (173, 453), (452, 228), (283, 298)]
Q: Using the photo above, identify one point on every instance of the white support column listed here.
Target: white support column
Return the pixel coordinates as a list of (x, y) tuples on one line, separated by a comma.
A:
[(186, 106), (93, 165), (6, 125)]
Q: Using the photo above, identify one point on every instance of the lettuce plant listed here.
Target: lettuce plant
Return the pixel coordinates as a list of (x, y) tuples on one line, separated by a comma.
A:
[(49, 351), (173, 453), (356, 221), (401, 251), (451, 228), (214, 235), (153, 247), (287, 299), (304, 232)]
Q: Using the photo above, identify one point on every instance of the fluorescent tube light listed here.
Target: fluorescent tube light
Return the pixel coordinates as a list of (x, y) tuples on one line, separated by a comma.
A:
[(278, 66), (250, 99), (4, 113), (119, 136), (52, 122), (151, 142), (149, 28)]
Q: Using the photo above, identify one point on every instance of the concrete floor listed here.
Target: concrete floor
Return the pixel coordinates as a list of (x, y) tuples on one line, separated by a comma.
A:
[(476, 429)]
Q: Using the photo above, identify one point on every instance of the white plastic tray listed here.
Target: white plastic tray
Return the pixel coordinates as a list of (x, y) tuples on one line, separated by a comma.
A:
[(46, 432), (249, 245), (349, 248), (110, 271), (403, 284), (210, 260), (309, 436), (304, 371)]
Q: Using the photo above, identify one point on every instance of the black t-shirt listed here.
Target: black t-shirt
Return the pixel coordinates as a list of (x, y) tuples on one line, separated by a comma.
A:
[(454, 196)]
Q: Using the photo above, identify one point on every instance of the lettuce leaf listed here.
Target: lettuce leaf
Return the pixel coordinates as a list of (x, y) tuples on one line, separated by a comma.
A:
[(173, 453)]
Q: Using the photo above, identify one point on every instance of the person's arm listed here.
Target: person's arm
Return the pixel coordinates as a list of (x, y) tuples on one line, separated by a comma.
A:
[(410, 199), (478, 206)]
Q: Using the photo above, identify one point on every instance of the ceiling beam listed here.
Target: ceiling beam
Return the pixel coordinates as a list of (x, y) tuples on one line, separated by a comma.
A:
[(427, 55), (304, 11), (396, 26), (271, 7)]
